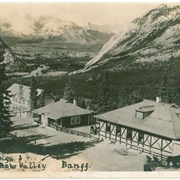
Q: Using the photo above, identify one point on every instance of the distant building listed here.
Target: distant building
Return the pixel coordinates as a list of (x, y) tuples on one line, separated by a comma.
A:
[(148, 126), (20, 99), (63, 114)]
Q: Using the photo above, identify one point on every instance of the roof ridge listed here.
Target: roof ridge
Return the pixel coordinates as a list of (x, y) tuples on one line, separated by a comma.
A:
[(25, 86), (173, 121), (64, 103)]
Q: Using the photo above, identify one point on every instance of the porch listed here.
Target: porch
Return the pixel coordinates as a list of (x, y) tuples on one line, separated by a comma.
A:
[(135, 139)]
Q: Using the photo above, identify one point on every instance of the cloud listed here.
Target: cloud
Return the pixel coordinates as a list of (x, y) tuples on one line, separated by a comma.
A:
[(80, 13)]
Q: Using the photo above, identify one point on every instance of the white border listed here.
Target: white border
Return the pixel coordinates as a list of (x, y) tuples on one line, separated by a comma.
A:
[(101, 174), (101, 1)]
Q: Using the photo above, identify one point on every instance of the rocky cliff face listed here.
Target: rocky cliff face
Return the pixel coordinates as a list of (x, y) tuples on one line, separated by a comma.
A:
[(150, 38), (7, 57)]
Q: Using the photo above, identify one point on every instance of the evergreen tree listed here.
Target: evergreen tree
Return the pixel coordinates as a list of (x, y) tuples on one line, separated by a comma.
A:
[(134, 97), (104, 100), (81, 103), (93, 104), (33, 94), (126, 99), (163, 91), (42, 100), (5, 113), (21, 97), (122, 98), (69, 93)]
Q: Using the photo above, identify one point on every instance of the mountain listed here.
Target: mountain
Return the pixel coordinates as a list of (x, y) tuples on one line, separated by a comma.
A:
[(48, 28), (106, 28), (154, 37), (50, 41)]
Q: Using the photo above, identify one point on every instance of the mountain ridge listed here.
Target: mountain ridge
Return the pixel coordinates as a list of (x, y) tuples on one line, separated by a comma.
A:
[(153, 37), (47, 27)]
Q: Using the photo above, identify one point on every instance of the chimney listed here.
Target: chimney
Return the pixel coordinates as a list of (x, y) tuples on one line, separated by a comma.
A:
[(158, 99), (75, 102)]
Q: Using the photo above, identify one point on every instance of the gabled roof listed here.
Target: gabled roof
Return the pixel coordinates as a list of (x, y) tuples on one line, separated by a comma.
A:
[(15, 89), (164, 119), (61, 109)]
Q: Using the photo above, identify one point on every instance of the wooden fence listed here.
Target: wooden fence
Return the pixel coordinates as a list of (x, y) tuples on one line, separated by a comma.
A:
[(71, 131)]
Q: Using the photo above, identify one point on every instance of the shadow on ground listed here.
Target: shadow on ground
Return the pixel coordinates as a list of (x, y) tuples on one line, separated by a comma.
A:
[(22, 127), (28, 144)]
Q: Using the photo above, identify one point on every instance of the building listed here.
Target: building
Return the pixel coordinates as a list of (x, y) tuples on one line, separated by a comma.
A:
[(148, 126), (63, 114), (20, 99)]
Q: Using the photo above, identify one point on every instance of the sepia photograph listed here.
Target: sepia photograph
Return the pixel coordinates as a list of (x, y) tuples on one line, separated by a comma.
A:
[(89, 89)]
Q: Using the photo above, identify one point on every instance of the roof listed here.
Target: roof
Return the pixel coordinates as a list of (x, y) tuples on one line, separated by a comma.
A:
[(163, 120), (61, 109), (15, 88)]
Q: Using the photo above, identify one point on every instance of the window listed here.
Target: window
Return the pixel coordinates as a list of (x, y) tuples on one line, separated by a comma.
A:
[(59, 121), (118, 130), (139, 114), (140, 137), (78, 121), (108, 127), (72, 121), (129, 134), (22, 101), (75, 120), (28, 103), (144, 111)]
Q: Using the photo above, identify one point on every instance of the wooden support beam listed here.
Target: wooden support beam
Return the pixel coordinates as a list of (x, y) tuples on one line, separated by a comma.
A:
[(116, 134), (105, 130), (143, 145), (154, 142), (146, 139), (159, 144), (123, 132), (150, 143), (138, 139), (111, 130), (126, 136), (99, 130), (120, 135), (102, 125), (161, 148), (134, 135), (167, 145)]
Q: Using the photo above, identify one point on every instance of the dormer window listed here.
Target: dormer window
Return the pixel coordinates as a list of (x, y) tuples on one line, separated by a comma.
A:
[(144, 111), (139, 114)]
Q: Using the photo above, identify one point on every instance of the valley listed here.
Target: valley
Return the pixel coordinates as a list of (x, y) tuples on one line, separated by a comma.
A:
[(90, 97), (137, 60)]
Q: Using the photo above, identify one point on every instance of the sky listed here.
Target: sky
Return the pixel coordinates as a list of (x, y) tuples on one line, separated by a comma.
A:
[(99, 13)]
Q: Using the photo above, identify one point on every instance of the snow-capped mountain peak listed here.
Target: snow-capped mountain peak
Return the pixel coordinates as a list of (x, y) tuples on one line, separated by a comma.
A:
[(47, 27)]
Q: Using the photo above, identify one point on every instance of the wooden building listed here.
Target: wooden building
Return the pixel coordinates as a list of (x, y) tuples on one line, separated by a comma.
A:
[(63, 114), (20, 99), (148, 126)]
